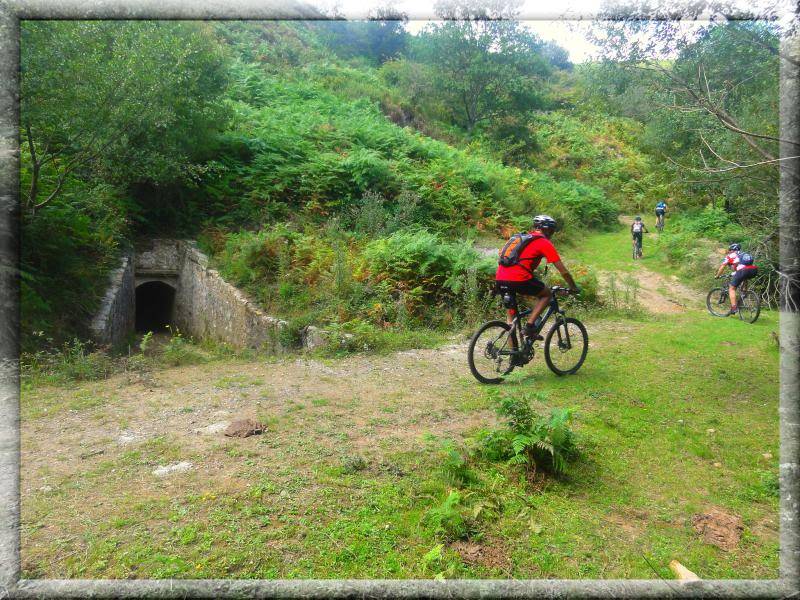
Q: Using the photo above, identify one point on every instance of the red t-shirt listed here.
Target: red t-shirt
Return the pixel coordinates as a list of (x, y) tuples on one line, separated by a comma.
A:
[(530, 258)]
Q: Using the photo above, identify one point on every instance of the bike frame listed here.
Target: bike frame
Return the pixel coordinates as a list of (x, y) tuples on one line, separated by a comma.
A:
[(552, 308), (637, 244)]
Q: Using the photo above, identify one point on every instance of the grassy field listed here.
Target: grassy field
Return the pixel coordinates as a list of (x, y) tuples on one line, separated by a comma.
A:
[(675, 414)]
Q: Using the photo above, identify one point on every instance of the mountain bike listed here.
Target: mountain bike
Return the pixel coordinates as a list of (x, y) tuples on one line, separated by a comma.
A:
[(637, 248), (748, 301), (497, 347), (660, 222)]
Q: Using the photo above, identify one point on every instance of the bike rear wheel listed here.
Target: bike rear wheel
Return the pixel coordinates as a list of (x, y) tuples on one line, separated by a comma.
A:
[(749, 306), (491, 352), (565, 346), (718, 302)]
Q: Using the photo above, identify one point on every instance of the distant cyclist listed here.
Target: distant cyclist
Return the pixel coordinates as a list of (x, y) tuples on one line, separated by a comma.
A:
[(637, 228), (661, 210), (519, 275), (743, 266)]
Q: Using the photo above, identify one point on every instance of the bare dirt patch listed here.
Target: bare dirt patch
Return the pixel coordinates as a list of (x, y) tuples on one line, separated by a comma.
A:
[(720, 528), (489, 555)]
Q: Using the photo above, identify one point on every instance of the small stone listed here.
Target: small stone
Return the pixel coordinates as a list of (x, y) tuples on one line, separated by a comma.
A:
[(180, 467), (213, 428), (710, 430), (680, 421), (717, 464), (767, 455)]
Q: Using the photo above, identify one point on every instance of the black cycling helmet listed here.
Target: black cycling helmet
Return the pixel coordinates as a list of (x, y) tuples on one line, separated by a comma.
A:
[(734, 247), (637, 219), (544, 221)]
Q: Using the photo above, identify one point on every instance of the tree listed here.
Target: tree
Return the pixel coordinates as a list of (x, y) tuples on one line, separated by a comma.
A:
[(487, 65), (128, 101), (382, 37)]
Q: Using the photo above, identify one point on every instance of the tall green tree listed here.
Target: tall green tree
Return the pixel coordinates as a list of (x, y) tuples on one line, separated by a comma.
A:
[(487, 66), (126, 101)]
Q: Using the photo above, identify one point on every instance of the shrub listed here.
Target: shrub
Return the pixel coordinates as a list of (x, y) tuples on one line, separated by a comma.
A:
[(528, 439), (73, 361), (455, 465), (447, 519), (712, 222), (427, 269), (180, 351)]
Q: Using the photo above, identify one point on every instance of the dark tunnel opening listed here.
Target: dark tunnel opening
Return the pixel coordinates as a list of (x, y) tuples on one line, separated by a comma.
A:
[(154, 301)]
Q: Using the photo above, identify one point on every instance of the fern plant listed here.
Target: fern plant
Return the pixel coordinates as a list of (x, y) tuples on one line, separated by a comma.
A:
[(549, 443), (447, 519)]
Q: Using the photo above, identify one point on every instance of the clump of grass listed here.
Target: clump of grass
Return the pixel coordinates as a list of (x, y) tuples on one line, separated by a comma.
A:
[(73, 361), (180, 350), (353, 464), (621, 295)]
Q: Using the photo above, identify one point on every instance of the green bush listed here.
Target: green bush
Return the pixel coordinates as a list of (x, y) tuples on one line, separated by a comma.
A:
[(448, 519), (712, 222), (72, 361), (528, 439), (427, 269)]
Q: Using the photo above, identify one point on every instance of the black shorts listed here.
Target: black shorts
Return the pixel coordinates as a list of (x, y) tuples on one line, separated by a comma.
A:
[(743, 275), (637, 235), (660, 211), (530, 287)]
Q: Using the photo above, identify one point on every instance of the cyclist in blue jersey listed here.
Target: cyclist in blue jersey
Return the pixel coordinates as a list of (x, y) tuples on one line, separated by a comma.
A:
[(661, 210)]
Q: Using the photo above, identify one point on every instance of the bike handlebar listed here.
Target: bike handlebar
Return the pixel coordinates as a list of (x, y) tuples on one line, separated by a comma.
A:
[(558, 288)]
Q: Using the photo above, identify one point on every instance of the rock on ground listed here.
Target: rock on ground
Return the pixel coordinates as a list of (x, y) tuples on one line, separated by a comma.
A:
[(244, 428), (180, 467)]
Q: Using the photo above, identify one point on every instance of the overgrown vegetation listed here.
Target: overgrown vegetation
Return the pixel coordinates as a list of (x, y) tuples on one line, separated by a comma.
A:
[(252, 135)]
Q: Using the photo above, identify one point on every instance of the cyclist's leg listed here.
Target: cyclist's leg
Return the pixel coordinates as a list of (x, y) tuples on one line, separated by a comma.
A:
[(736, 281), (542, 300), (535, 288)]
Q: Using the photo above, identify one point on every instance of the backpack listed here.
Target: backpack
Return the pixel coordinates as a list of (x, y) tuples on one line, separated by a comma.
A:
[(661, 206), (746, 259), (638, 226), (510, 253)]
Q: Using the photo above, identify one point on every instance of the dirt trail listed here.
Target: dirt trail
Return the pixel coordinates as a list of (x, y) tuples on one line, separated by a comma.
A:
[(657, 293)]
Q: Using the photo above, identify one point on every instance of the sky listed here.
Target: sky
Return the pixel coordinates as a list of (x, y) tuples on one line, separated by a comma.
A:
[(570, 35), (566, 24)]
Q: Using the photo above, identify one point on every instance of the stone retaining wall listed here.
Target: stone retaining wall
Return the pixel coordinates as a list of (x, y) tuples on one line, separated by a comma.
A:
[(208, 307), (116, 317)]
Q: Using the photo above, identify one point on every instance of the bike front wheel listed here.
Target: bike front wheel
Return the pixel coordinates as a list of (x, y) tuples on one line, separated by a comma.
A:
[(749, 306), (718, 302), (491, 352), (565, 346)]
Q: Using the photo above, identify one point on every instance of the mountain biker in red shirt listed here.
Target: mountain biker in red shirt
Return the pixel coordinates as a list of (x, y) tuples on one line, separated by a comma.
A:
[(520, 278)]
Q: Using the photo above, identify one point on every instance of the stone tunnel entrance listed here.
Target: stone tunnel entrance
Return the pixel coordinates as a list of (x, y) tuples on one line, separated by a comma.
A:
[(155, 302), (164, 282)]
